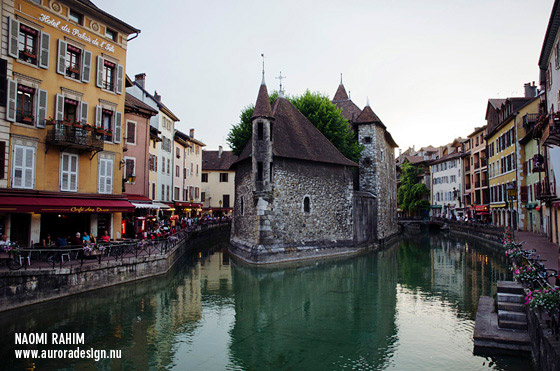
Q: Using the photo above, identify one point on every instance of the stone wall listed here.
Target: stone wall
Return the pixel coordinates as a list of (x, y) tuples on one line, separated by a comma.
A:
[(330, 190), (244, 222), (365, 217), (545, 348), (378, 176), (31, 286)]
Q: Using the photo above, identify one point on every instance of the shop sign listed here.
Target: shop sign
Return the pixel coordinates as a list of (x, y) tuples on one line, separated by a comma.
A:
[(89, 210), (82, 35)]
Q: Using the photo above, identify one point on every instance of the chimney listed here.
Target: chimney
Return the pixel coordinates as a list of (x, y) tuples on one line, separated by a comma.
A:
[(191, 133), (141, 80), (530, 90), (220, 151), (157, 96)]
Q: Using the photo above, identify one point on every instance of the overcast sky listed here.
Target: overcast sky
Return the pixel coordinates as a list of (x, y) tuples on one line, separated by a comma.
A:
[(428, 67)]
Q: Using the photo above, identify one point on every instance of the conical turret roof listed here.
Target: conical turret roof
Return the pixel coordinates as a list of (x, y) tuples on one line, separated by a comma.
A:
[(262, 107), (340, 94)]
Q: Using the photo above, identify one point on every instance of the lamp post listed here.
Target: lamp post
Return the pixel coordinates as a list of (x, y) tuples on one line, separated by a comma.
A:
[(512, 195)]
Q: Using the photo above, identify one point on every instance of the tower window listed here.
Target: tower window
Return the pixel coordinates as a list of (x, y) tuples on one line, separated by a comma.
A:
[(259, 171), (260, 131), (306, 204), (271, 171), (367, 139)]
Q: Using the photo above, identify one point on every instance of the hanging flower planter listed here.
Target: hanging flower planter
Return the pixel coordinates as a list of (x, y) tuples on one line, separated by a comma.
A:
[(100, 130), (88, 127)]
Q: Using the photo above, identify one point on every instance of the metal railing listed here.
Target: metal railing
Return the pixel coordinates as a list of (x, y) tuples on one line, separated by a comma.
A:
[(74, 135)]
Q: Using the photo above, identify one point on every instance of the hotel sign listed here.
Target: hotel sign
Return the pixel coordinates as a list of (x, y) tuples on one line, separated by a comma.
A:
[(76, 32)]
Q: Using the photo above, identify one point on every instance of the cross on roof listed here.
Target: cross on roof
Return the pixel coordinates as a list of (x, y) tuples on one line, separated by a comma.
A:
[(281, 78)]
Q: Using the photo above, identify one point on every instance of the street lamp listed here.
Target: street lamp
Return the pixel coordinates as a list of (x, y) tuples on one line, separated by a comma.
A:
[(512, 195)]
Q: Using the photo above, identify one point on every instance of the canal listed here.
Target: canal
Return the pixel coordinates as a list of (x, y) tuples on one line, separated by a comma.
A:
[(409, 307)]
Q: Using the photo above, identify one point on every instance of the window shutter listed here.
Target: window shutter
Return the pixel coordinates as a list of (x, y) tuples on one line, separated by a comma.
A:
[(17, 168), (61, 60), (3, 81), (29, 168), (86, 66), (130, 132), (2, 159), (524, 194), (109, 176), (99, 81), (84, 112), (41, 108), (118, 128), (120, 78), (11, 101), (44, 50), (73, 173), (98, 116), (13, 38), (64, 173), (101, 176), (59, 107)]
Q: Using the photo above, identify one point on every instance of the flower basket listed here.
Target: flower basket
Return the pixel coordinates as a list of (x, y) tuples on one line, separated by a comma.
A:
[(29, 54), (28, 119), (73, 70), (50, 121), (77, 125), (88, 127), (100, 130), (66, 122)]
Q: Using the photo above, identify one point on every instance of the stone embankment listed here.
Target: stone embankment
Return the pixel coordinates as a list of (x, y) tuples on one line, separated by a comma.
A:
[(37, 284)]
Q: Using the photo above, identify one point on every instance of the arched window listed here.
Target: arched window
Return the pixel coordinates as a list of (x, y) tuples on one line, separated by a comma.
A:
[(306, 204)]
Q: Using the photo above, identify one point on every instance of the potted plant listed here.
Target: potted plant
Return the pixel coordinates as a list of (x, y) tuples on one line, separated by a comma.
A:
[(99, 130), (50, 121), (87, 127), (66, 122), (109, 133)]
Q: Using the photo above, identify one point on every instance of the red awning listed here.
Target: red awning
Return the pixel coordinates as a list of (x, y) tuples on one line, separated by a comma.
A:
[(481, 208), (132, 197), (24, 204), (556, 204)]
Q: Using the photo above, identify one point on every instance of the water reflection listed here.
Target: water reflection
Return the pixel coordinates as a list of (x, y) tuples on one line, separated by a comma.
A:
[(411, 306)]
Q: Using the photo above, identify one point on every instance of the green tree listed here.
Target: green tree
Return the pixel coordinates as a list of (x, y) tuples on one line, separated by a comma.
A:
[(319, 111), (411, 195)]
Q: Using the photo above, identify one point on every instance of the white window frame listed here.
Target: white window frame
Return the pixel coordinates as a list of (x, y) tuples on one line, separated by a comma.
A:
[(69, 172)]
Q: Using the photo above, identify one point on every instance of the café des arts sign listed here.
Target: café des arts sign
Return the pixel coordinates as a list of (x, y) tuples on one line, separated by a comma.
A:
[(76, 32)]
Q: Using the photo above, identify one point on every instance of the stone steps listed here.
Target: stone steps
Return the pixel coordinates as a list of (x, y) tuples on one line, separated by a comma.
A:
[(512, 325), (510, 298), (510, 287), (512, 307)]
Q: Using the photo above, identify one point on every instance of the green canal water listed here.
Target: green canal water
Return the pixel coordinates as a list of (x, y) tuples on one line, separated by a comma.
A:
[(409, 307)]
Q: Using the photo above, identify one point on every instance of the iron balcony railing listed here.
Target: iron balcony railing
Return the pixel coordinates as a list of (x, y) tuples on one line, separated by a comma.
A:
[(530, 119), (74, 136)]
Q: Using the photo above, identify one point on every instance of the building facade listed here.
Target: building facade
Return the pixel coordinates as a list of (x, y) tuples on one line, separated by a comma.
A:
[(475, 167), (446, 174), (62, 163), (188, 174), (218, 182)]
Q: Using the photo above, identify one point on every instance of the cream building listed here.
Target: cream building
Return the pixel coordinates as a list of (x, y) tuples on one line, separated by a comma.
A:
[(218, 182), (187, 171)]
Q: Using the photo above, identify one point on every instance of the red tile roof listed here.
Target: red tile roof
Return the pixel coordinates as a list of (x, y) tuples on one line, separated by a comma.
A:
[(211, 160), (295, 137), (262, 107), (340, 94)]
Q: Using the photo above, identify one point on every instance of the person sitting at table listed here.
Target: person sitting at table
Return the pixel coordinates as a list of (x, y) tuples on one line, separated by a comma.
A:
[(92, 238), (76, 241), (85, 238), (61, 242), (4, 241), (106, 237), (47, 241)]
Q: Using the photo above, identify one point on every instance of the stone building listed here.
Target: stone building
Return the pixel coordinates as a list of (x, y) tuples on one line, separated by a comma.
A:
[(293, 188), (377, 172)]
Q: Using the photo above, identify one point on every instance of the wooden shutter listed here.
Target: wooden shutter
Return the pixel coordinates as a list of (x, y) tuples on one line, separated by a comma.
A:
[(99, 80), (109, 176), (117, 134), (59, 107), (24, 167), (86, 66), (29, 168), (17, 167), (11, 101), (3, 81), (64, 171), (44, 50), (120, 79), (131, 132), (84, 112), (73, 186), (61, 60), (98, 116), (2, 159), (524, 194), (41, 108), (13, 38), (101, 176)]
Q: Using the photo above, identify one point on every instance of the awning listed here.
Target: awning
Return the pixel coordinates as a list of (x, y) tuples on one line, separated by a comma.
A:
[(133, 197), (145, 205), (483, 213), (187, 204), (435, 206), (161, 205), (498, 206), (481, 208), (23, 204)]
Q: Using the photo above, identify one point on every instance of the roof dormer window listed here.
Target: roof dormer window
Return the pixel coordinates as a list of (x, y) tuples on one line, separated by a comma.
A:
[(75, 16), (111, 34)]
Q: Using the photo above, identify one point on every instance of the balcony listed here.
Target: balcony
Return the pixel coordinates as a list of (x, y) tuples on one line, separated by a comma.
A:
[(74, 136), (477, 184), (484, 182), (530, 119), (476, 165), (543, 191), (483, 162), (467, 168)]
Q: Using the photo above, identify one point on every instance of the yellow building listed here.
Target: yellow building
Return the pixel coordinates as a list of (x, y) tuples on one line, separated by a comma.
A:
[(64, 112), (218, 182), (503, 152)]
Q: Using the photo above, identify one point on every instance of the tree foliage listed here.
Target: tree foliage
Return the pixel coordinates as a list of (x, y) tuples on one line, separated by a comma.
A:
[(411, 195), (319, 111)]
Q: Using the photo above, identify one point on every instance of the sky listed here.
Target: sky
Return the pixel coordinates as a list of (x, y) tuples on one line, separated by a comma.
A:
[(427, 67)]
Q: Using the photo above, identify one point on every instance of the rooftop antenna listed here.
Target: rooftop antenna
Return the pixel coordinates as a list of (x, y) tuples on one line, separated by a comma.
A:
[(262, 55), (281, 92)]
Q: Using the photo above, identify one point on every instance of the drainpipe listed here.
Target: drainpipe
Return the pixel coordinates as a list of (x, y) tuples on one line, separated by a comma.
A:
[(133, 37)]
